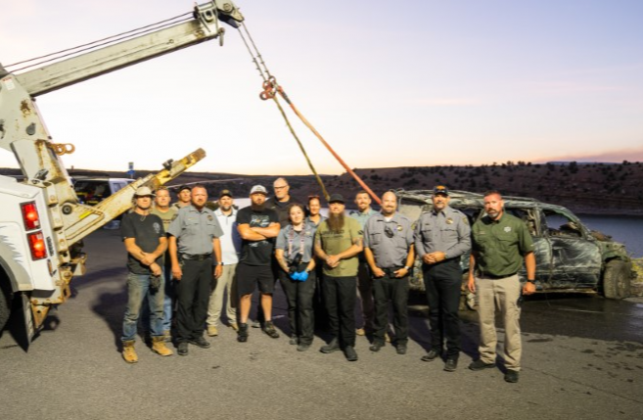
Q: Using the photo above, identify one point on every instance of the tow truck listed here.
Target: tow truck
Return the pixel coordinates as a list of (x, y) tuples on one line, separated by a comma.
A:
[(42, 221)]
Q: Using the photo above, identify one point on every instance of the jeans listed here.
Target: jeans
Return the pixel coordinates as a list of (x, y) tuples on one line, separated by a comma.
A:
[(138, 288), (396, 290), (340, 296), (300, 305), (168, 302), (443, 282)]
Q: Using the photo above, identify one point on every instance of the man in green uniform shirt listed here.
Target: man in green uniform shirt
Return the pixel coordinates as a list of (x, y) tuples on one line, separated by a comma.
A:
[(338, 240), (501, 242)]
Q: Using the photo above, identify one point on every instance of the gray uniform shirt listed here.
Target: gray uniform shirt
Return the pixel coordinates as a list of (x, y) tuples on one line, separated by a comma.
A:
[(293, 242), (388, 240), (447, 231), (194, 230)]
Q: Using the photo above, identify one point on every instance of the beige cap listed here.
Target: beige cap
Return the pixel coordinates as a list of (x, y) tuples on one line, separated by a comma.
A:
[(143, 192)]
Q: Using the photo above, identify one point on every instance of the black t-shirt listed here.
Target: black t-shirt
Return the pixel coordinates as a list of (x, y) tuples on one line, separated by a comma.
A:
[(257, 252), (146, 231), (281, 208)]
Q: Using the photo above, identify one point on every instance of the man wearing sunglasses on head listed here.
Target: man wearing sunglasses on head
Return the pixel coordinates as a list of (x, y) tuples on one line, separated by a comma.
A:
[(388, 249), (442, 235)]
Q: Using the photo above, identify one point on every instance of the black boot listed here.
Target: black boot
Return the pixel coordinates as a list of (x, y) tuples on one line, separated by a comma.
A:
[(242, 334)]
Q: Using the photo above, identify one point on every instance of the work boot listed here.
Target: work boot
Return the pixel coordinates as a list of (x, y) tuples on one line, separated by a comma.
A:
[(183, 348), (350, 354), (167, 335), (293, 340), (212, 331), (330, 347), (234, 326), (376, 346), (431, 355), (129, 354), (511, 376), (480, 365), (401, 349), (242, 334), (270, 330), (451, 365), (158, 346), (200, 342), (303, 346)]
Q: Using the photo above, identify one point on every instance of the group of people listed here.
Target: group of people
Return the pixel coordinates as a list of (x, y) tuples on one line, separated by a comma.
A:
[(332, 262)]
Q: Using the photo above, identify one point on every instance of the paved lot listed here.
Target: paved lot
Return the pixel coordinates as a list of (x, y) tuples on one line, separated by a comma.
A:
[(583, 359)]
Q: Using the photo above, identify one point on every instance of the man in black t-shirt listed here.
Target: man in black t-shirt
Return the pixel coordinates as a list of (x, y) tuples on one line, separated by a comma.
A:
[(258, 228), (146, 243)]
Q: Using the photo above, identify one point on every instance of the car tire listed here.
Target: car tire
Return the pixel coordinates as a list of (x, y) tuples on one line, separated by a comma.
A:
[(5, 303), (616, 279)]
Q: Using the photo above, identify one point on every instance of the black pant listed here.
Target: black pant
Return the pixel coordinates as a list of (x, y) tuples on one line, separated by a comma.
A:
[(299, 295), (193, 294), (340, 296), (397, 291), (443, 282)]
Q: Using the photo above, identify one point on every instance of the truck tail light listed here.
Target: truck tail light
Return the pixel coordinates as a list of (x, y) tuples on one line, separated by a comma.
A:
[(37, 245), (30, 216)]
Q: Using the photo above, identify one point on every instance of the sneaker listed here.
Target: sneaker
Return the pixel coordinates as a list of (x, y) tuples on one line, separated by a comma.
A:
[(303, 347), (234, 326), (431, 355), (401, 349), (212, 331), (451, 365), (200, 342), (242, 334), (361, 332), (293, 340), (183, 348), (511, 376), (376, 346), (350, 354), (330, 347), (270, 330), (480, 365)]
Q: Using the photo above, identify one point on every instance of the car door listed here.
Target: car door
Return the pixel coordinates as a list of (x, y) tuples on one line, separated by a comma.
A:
[(576, 256)]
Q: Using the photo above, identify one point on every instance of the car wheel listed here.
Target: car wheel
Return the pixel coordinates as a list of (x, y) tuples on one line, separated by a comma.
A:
[(616, 279), (5, 305)]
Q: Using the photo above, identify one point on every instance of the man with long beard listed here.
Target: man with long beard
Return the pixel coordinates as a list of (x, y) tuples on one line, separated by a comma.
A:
[(338, 240)]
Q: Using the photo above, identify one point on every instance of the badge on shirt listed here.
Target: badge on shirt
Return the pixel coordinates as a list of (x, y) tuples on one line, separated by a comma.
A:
[(399, 228), (507, 229), (449, 221), (209, 217)]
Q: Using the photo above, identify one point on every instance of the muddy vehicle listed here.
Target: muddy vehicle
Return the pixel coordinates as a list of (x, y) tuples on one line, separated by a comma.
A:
[(570, 257)]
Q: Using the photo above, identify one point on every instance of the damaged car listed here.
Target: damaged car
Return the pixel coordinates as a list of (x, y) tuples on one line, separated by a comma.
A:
[(570, 257)]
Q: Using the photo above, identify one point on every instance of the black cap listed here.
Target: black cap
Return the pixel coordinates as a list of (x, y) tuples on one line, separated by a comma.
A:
[(225, 193), (441, 189), (185, 187), (336, 198)]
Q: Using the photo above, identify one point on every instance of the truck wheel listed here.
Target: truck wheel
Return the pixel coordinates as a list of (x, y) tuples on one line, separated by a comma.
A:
[(5, 304), (616, 279)]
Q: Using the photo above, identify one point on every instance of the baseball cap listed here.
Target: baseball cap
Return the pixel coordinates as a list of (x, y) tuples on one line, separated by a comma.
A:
[(336, 198), (225, 193), (185, 187), (143, 192), (259, 189), (441, 189)]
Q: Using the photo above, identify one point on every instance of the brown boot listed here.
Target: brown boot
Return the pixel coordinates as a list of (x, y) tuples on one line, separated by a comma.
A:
[(129, 354), (158, 346)]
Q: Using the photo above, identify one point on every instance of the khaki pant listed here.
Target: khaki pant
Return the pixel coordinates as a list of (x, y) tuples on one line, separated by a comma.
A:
[(224, 283), (499, 296)]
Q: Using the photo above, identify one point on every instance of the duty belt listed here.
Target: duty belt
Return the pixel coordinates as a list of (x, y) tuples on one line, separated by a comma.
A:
[(196, 257)]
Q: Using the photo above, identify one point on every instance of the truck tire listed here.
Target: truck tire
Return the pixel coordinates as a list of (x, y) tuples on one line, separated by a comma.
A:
[(5, 302), (616, 279)]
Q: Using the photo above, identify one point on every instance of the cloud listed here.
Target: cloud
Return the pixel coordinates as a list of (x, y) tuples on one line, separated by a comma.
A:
[(632, 155)]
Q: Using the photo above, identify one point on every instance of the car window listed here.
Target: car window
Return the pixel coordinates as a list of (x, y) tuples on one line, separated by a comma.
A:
[(558, 224), (117, 186)]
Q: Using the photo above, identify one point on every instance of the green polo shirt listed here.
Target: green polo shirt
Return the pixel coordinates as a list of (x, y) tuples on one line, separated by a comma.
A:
[(335, 242), (500, 245)]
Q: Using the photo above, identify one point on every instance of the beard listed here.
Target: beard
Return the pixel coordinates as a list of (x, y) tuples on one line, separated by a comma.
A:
[(335, 222)]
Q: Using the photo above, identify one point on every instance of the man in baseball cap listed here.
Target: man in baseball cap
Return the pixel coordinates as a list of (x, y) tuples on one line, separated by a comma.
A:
[(185, 197)]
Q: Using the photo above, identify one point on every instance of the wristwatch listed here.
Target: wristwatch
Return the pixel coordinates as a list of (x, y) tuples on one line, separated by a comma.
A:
[(407, 268), (531, 281)]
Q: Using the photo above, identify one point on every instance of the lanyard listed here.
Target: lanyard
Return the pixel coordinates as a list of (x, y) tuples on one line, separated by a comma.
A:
[(291, 239)]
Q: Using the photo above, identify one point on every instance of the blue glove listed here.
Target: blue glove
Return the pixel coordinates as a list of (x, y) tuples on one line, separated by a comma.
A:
[(303, 276), (294, 276)]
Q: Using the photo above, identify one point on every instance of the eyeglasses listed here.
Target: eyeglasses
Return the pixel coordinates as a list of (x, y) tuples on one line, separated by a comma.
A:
[(281, 188), (388, 232)]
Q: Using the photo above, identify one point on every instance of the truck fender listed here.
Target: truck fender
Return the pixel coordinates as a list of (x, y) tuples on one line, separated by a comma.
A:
[(17, 275)]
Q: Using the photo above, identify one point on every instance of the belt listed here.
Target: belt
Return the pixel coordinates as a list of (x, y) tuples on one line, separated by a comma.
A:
[(390, 270), (196, 257), (494, 277)]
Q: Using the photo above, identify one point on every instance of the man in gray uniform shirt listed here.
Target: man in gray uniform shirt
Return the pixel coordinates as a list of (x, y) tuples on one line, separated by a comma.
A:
[(388, 248), (194, 238), (442, 235)]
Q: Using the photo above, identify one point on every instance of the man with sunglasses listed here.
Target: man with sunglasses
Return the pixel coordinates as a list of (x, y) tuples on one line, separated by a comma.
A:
[(442, 235), (388, 249)]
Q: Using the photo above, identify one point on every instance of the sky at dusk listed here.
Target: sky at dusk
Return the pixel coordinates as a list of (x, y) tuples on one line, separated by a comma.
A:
[(404, 83)]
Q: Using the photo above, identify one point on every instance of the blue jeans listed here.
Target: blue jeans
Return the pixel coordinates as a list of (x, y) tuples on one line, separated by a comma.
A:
[(167, 302), (138, 289)]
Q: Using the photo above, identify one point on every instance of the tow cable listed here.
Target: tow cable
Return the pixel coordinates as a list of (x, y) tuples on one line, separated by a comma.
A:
[(270, 91)]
